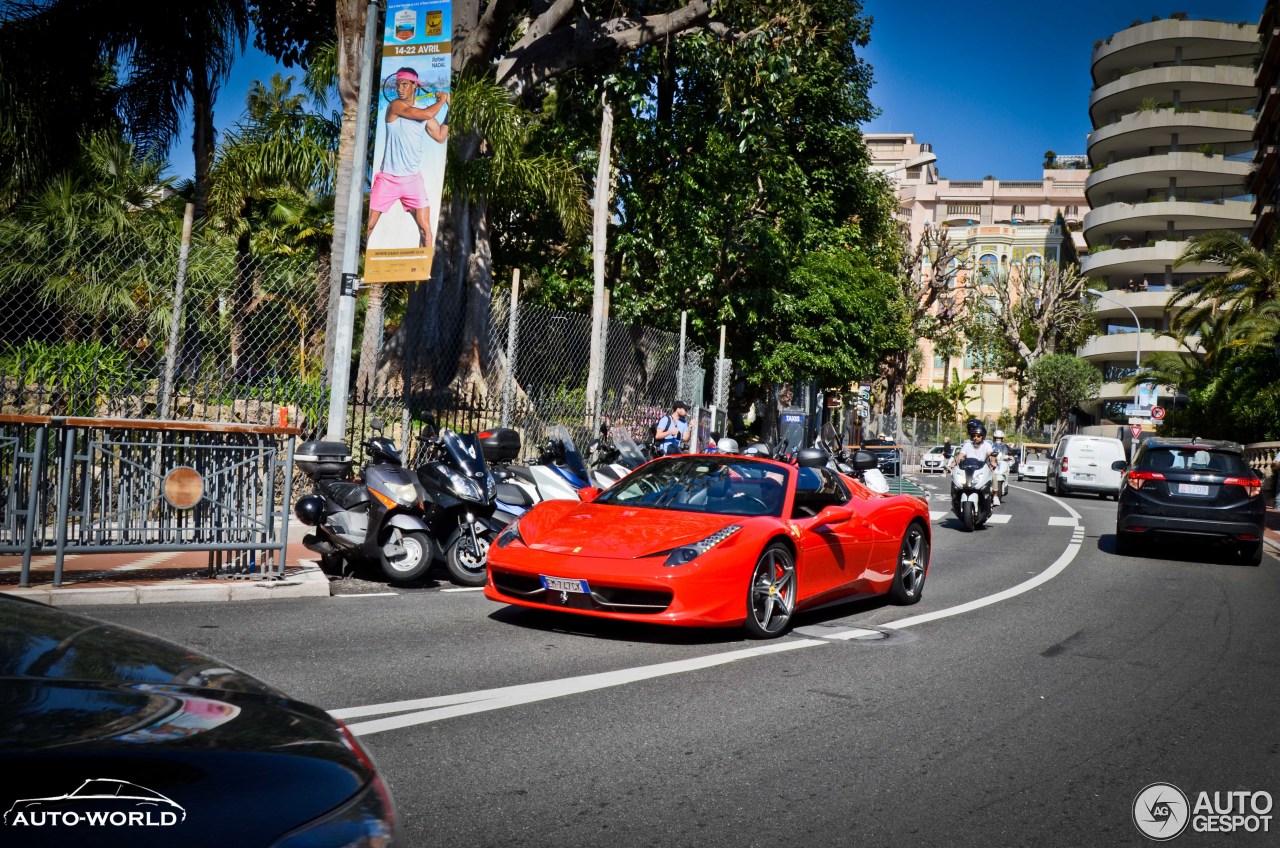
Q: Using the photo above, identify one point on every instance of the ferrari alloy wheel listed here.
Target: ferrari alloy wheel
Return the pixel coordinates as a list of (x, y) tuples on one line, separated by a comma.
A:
[(913, 566), (412, 559), (771, 598)]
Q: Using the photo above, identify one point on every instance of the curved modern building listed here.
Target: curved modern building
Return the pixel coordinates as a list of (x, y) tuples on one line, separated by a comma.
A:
[(1171, 149)]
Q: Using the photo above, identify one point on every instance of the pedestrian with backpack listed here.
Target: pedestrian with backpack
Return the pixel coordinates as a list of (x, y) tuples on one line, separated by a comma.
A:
[(672, 430)]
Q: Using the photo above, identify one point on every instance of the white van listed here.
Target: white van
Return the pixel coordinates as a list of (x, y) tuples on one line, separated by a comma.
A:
[(1083, 464)]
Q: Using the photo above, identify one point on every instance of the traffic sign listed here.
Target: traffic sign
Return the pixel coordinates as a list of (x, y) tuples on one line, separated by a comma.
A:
[(1135, 429), (1157, 412)]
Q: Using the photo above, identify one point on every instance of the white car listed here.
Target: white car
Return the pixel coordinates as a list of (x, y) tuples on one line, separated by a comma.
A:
[(934, 460), (1035, 462)]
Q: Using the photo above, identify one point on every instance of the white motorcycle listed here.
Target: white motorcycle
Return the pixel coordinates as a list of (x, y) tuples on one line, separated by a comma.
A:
[(971, 492)]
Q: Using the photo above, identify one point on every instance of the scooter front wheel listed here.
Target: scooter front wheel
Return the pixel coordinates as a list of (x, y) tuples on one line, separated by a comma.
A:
[(411, 561), (970, 518), (468, 566)]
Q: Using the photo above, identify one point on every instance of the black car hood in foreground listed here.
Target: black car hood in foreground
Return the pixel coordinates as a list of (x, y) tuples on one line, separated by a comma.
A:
[(225, 758)]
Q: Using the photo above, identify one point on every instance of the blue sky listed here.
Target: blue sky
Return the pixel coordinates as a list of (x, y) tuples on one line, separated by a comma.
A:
[(990, 85), (993, 85)]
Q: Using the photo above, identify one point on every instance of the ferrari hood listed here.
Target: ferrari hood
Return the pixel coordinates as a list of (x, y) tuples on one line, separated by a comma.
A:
[(615, 532)]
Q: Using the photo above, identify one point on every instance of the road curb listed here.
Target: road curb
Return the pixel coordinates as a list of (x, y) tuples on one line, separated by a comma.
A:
[(307, 582)]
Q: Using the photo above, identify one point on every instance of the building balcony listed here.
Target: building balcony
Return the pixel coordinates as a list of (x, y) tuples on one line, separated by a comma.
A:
[(1193, 84), (1145, 304), (1154, 42), (1134, 177), (1124, 346), (1136, 133), (1137, 262), (1104, 225)]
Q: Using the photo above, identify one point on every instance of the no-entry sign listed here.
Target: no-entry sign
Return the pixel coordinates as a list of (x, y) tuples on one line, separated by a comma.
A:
[(1157, 413)]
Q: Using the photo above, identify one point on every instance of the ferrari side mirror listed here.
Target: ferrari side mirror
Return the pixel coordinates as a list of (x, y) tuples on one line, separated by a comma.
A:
[(834, 515), (589, 493)]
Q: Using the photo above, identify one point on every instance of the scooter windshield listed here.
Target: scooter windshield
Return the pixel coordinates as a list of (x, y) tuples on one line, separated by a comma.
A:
[(629, 453), (465, 453), (572, 459)]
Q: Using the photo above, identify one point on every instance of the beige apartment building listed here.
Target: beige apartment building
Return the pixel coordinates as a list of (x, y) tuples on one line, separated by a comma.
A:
[(1001, 223), (1173, 110)]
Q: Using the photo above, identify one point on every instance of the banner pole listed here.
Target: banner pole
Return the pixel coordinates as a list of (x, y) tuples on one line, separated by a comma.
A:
[(345, 328)]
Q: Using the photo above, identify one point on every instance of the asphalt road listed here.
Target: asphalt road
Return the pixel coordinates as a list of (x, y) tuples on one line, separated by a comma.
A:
[(979, 717)]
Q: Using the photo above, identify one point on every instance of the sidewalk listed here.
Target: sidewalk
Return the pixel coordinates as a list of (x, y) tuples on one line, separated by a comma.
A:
[(1273, 529), (121, 578)]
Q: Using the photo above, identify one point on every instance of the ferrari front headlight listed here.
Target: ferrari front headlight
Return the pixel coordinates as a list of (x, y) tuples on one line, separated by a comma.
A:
[(509, 534), (686, 554)]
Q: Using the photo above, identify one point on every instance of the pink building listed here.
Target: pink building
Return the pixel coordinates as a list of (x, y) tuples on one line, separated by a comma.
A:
[(1011, 223)]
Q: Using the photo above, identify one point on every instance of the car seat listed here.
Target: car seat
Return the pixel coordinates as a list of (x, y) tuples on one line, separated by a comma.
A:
[(1161, 460)]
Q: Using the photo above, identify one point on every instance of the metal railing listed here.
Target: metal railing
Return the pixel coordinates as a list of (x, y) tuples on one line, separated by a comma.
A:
[(89, 485)]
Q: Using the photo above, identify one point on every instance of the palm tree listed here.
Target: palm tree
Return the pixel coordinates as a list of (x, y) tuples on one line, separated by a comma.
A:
[(171, 54), (74, 245), (1251, 280), (264, 186)]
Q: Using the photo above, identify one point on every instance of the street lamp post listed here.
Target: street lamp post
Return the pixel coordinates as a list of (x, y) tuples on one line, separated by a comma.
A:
[(1137, 356)]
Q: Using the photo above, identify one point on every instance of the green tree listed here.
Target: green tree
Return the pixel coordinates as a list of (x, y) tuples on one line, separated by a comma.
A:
[(1062, 382), (928, 403), (269, 193), (73, 247), (1251, 280)]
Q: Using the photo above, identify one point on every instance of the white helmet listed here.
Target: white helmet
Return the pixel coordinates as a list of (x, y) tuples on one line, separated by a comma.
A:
[(727, 445), (998, 434)]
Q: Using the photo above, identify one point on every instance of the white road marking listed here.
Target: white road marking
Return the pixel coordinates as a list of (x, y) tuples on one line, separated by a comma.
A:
[(1061, 521), (465, 589), (437, 708), (449, 706), (938, 514), (367, 595)]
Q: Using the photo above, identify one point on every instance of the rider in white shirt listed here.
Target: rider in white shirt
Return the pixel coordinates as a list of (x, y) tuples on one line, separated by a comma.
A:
[(977, 448)]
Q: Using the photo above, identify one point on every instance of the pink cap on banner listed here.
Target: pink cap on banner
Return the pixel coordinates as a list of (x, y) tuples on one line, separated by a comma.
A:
[(406, 75)]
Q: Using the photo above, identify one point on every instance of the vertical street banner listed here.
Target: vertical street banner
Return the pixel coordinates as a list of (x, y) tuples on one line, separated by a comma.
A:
[(410, 140)]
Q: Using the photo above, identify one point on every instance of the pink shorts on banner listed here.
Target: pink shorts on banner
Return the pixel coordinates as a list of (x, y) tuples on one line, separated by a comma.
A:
[(388, 188)]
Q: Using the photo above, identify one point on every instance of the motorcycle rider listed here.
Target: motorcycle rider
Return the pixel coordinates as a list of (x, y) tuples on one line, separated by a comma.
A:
[(977, 448), (998, 447)]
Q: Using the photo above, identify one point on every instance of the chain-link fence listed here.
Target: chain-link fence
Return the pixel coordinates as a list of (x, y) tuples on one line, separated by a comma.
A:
[(530, 372), (231, 329), (92, 325)]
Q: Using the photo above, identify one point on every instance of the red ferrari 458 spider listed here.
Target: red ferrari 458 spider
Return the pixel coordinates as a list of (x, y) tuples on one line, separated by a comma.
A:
[(714, 540)]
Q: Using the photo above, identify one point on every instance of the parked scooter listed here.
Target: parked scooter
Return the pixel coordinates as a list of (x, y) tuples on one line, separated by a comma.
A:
[(613, 458), (560, 471), (860, 465), (460, 505), (971, 492), (378, 519)]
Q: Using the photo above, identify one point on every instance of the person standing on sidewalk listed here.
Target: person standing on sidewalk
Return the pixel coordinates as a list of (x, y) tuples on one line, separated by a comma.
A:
[(672, 429)]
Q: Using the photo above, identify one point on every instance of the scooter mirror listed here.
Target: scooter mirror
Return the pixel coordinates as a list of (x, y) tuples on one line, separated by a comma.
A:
[(377, 424)]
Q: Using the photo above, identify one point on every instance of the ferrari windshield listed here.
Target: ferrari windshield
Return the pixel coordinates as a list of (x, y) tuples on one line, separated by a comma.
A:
[(721, 485)]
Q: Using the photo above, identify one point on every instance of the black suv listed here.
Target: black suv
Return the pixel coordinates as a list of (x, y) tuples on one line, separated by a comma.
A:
[(1191, 487)]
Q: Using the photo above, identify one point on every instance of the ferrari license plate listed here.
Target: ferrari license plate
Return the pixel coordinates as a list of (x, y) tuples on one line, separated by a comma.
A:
[(1193, 489), (562, 584)]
